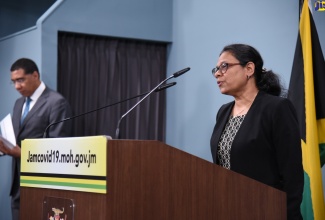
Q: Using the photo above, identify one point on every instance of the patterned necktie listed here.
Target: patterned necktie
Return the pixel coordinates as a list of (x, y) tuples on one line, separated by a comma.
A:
[(26, 110)]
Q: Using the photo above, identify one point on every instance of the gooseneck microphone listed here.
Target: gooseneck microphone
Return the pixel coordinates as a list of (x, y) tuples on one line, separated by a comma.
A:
[(158, 89), (175, 75)]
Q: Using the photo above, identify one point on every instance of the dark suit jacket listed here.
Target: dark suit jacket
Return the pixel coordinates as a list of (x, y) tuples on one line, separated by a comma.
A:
[(267, 146), (50, 107)]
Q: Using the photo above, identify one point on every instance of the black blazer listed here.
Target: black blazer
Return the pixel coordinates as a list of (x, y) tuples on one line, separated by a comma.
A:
[(267, 146)]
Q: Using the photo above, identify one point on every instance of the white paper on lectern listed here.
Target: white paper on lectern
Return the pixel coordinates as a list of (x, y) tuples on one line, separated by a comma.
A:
[(7, 132)]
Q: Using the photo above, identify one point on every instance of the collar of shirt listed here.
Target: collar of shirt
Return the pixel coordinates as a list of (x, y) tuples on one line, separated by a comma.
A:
[(38, 92)]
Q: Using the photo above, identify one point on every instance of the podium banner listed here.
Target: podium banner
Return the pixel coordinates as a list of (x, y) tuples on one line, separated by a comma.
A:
[(77, 164)]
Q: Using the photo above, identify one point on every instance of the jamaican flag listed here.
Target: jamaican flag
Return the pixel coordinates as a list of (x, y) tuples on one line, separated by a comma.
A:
[(307, 92)]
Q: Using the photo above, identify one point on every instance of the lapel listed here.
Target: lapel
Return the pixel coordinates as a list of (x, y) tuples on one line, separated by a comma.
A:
[(249, 119), (223, 118), (17, 115)]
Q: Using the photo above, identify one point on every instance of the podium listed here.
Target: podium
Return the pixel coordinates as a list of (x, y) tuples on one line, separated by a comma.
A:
[(149, 180)]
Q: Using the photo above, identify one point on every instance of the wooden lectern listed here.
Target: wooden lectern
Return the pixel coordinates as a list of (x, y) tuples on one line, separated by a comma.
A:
[(149, 180)]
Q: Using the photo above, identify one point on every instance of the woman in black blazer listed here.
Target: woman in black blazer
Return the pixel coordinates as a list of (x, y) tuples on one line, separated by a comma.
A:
[(257, 134)]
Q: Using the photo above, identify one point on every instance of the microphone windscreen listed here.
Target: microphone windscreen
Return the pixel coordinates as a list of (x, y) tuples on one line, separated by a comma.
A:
[(181, 72)]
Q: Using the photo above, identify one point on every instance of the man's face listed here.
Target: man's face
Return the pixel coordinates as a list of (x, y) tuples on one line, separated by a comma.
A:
[(25, 84)]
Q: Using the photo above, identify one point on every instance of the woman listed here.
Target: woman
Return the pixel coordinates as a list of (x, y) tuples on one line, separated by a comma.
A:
[(257, 134)]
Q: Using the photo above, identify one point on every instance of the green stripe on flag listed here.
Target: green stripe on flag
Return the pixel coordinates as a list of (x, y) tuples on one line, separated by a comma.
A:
[(306, 207)]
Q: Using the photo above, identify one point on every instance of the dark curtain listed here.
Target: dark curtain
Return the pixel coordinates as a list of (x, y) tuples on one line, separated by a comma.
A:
[(95, 71)]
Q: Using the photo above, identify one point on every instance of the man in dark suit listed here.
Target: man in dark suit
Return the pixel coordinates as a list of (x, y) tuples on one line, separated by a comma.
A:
[(38, 107)]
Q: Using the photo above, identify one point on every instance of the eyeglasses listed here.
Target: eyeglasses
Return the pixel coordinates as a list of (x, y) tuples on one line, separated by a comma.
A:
[(18, 81), (223, 68)]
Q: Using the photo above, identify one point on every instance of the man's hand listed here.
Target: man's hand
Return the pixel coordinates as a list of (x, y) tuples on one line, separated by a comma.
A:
[(14, 152)]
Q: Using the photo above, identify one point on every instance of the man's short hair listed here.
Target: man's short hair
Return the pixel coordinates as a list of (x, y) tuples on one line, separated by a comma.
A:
[(26, 64)]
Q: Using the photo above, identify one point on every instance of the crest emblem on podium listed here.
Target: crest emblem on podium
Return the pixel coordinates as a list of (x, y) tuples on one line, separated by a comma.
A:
[(58, 208)]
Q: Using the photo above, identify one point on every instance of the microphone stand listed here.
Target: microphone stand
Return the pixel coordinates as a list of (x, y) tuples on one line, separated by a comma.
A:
[(163, 87), (177, 74)]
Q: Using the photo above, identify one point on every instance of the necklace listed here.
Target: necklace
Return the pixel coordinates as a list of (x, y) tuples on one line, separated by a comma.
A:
[(241, 111), (245, 108)]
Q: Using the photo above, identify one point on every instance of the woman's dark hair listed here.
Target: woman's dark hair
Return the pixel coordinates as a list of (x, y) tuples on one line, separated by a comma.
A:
[(266, 80)]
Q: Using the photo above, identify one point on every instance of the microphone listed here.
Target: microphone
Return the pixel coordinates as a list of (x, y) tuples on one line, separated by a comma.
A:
[(158, 89), (163, 87), (175, 75), (181, 72)]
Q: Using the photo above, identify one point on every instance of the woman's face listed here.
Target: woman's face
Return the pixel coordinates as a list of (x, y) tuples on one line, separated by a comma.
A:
[(231, 76)]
